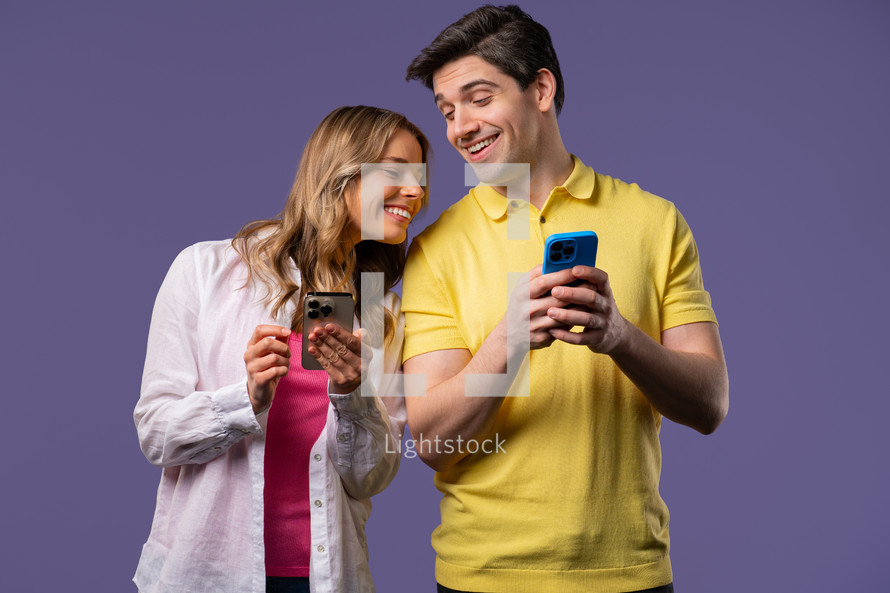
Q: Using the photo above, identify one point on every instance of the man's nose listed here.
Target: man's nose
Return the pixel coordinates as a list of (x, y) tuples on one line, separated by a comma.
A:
[(464, 123)]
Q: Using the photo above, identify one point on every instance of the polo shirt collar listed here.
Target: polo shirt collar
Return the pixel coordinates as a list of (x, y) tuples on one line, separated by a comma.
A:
[(580, 185), (581, 181)]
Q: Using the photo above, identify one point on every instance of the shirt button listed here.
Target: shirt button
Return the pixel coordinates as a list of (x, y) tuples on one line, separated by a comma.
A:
[(342, 438), (543, 219), (317, 457), (320, 548), (318, 503)]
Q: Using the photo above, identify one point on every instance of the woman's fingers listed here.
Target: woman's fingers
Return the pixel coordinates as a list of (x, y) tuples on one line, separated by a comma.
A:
[(339, 353), (268, 331), (267, 360), (270, 374), (265, 340)]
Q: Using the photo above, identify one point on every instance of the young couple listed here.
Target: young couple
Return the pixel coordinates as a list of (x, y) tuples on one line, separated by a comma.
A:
[(268, 468)]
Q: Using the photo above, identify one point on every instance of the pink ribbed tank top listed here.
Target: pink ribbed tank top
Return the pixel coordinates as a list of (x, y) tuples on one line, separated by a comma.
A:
[(295, 422)]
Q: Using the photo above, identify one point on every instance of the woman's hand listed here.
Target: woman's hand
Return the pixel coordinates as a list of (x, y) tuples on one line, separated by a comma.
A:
[(267, 359), (340, 354)]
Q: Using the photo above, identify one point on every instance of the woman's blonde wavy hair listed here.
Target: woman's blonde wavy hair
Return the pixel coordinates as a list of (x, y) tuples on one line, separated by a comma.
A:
[(313, 230)]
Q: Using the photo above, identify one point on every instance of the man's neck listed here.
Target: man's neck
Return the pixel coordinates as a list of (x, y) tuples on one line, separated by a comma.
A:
[(545, 175)]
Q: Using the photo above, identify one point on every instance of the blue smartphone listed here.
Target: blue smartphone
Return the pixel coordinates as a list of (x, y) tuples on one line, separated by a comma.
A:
[(564, 250)]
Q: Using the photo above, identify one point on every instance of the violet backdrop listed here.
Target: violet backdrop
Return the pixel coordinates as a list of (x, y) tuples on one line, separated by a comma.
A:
[(129, 130)]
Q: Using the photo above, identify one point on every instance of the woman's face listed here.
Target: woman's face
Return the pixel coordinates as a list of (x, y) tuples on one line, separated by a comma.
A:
[(383, 202)]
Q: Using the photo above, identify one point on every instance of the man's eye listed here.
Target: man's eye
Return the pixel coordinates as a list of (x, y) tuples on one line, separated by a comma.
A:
[(449, 115), (483, 101)]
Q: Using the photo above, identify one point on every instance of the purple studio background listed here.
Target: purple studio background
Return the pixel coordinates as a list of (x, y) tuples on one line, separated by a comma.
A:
[(130, 130)]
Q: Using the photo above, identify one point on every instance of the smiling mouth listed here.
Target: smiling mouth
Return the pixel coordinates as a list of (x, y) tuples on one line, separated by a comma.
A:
[(395, 210), (474, 148)]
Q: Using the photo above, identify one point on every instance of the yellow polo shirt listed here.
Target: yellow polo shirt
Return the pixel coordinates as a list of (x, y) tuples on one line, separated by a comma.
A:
[(571, 501)]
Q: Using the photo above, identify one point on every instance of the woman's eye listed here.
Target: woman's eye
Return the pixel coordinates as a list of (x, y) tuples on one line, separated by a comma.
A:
[(391, 173)]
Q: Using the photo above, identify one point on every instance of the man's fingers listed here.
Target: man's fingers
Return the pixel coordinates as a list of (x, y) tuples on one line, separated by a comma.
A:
[(569, 337), (543, 284), (581, 295), (576, 317), (595, 276), (544, 303)]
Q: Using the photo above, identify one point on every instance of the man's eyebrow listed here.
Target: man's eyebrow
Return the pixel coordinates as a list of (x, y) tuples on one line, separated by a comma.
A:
[(470, 86)]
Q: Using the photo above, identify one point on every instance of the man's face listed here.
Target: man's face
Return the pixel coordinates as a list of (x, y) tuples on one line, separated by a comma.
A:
[(489, 118)]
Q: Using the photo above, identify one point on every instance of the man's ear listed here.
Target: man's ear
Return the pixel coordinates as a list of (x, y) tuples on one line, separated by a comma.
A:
[(545, 89)]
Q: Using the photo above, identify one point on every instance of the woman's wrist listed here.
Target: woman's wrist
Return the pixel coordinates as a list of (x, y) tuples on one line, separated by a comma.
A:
[(343, 389)]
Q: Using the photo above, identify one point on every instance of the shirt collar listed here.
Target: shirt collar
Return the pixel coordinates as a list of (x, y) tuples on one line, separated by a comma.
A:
[(579, 185), (581, 182)]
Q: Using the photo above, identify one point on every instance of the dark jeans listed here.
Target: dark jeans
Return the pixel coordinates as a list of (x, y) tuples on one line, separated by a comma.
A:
[(287, 584), (669, 588)]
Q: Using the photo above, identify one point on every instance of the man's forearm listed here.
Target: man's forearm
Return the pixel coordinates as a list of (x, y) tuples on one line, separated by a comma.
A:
[(688, 387), (448, 412)]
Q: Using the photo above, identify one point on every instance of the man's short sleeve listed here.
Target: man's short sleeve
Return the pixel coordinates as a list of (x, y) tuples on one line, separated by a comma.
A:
[(685, 299), (430, 324)]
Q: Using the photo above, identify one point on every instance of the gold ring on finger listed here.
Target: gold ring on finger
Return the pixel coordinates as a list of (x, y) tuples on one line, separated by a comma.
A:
[(335, 357), (341, 350)]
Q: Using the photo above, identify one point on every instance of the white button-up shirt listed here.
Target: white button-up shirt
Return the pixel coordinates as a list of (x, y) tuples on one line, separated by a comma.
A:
[(195, 420)]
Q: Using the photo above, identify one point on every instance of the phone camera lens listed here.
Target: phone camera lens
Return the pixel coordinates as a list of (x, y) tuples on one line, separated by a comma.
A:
[(326, 310), (312, 314), (313, 304), (568, 250)]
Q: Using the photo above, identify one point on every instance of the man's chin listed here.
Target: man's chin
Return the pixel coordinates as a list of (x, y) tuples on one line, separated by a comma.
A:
[(503, 174)]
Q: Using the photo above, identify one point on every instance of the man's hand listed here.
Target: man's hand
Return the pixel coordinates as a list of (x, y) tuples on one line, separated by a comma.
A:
[(593, 308), (683, 377), (267, 360), (538, 287)]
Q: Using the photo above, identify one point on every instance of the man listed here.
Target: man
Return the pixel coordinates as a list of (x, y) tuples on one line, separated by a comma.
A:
[(569, 501)]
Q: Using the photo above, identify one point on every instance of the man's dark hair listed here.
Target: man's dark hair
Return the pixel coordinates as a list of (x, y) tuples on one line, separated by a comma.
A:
[(503, 36)]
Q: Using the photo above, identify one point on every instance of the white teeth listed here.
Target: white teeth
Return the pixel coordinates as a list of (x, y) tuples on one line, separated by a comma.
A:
[(398, 211), (480, 145)]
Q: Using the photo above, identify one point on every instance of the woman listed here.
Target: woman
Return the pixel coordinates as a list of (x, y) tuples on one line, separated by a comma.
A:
[(268, 467)]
